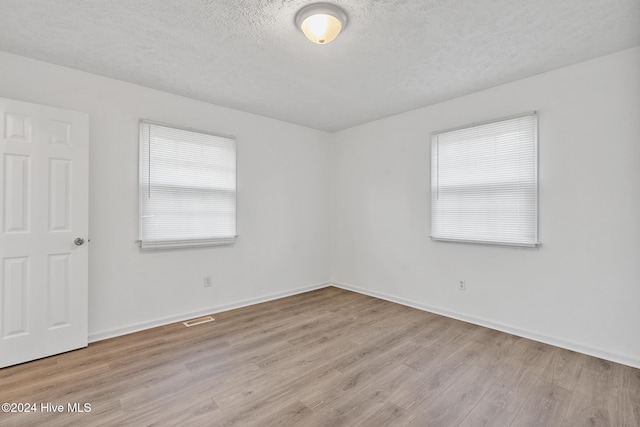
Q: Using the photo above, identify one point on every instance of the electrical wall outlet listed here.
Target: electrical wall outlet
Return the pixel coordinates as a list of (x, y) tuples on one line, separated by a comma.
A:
[(462, 285), (207, 281)]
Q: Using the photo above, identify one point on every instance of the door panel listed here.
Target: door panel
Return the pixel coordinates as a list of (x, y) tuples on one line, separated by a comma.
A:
[(17, 173), (60, 195), (43, 289), (15, 287)]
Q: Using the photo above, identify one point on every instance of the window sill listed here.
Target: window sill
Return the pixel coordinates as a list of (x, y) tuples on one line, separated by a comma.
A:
[(482, 242), (178, 244)]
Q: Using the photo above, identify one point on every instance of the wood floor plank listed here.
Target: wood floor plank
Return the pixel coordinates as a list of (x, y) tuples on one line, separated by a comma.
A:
[(324, 358), (363, 400), (388, 415), (546, 405), (519, 373)]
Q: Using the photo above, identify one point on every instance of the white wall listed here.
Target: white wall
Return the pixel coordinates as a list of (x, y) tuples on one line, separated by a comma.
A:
[(283, 199), (581, 289)]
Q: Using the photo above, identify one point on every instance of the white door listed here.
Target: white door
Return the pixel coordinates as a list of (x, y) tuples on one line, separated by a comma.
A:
[(44, 189)]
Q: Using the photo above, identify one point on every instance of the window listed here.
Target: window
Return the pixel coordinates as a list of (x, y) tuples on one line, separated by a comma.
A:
[(484, 183), (187, 187)]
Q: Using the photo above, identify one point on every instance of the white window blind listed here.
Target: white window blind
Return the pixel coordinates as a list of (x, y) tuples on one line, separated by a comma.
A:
[(187, 187), (484, 183)]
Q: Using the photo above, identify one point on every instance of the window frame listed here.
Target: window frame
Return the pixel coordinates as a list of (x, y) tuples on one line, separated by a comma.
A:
[(531, 243), (151, 244)]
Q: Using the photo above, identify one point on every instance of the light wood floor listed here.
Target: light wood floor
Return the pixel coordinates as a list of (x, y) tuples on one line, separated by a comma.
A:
[(327, 357)]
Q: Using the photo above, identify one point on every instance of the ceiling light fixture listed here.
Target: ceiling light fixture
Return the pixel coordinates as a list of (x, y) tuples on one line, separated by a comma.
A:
[(321, 22)]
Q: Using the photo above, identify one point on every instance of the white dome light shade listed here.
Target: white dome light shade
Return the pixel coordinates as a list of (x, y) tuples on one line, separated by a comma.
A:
[(321, 22)]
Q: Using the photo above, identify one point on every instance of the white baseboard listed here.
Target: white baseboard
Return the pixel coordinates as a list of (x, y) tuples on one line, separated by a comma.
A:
[(112, 333), (624, 359)]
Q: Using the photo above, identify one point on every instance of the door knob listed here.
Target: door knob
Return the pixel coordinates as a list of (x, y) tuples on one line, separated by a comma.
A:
[(79, 241)]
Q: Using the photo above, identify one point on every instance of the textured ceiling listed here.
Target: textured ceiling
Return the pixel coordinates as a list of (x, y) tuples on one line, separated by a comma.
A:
[(395, 55)]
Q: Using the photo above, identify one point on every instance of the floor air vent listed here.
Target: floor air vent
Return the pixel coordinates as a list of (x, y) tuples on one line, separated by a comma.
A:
[(198, 321)]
